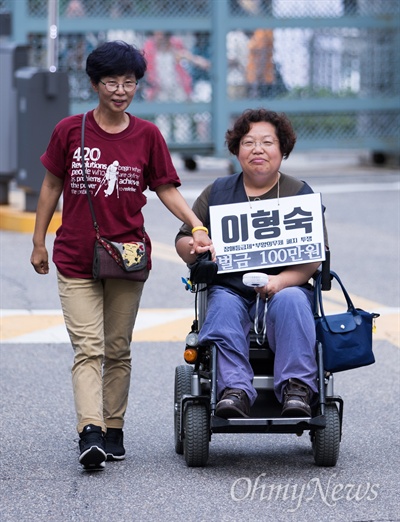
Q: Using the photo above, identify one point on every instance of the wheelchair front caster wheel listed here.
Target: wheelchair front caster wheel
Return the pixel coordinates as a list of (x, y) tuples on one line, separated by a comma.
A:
[(326, 441), (183, 383), (196, 442)]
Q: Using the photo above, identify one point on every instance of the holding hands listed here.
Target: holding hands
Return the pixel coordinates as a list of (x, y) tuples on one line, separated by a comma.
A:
[(200, 242)]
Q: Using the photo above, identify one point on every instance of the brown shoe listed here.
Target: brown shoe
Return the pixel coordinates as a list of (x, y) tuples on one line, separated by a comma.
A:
[(297, 398), (234, 403)]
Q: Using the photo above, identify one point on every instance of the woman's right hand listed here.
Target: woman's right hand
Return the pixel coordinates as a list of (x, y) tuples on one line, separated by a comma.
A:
[(40, 259), (200, 243)]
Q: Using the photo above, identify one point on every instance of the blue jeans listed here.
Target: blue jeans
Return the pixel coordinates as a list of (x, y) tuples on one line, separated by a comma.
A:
[(290, 334)]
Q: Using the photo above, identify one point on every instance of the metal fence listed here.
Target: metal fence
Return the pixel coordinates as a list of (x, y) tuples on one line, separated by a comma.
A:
[(331, 65)]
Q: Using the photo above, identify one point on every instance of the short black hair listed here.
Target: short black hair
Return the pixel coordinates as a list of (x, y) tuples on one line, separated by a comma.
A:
[(115, 58)]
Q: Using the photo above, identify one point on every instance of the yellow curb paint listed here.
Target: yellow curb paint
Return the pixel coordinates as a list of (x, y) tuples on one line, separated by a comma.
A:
[(388, 329), (166, 253), (158, 328), (175, 331), (17, 221), (17, 325)]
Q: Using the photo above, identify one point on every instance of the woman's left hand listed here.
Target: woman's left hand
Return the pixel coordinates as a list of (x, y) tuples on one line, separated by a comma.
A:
[(296, 275), (273, 286)]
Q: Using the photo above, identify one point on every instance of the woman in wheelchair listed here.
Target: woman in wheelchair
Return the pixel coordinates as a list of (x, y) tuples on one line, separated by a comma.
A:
[(260, 139)]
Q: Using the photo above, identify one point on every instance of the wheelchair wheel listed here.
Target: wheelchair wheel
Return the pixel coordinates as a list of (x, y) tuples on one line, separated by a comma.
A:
[(326, 442), (183, 377), (196, 443)]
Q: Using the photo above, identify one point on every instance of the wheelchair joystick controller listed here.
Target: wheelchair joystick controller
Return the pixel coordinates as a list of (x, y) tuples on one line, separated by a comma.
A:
[(258, 280), (255, 279)]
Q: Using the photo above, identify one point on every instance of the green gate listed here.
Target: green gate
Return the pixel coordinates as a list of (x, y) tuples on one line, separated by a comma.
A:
[(331, 65)]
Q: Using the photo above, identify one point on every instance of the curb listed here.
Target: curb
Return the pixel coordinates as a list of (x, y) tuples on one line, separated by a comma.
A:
[(14, 220)]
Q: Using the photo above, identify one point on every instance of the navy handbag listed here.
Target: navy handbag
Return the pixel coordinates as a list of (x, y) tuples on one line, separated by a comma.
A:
[(346, 338)]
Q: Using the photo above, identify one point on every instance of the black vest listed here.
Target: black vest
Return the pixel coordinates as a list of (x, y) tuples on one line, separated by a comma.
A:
[(231, 190)]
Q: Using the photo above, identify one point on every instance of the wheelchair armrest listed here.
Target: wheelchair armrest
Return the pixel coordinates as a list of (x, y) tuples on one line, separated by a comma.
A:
[(325, 270), (203, 269)]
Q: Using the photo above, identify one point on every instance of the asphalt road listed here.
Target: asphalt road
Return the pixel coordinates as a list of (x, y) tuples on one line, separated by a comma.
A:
[(249, 477)]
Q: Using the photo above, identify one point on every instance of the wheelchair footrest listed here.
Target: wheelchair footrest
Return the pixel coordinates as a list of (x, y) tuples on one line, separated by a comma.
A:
[(266, 425)]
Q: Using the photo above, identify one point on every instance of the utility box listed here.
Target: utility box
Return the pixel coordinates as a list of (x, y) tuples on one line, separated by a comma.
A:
[(5, 23), (43, 100), (12, 57)]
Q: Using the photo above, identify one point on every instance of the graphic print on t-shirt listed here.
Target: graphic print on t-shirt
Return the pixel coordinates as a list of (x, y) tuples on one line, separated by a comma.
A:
[(103, 178), (110, 178)]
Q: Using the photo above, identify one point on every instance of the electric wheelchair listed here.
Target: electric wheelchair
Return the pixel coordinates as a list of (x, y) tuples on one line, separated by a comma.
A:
[(195, 395)]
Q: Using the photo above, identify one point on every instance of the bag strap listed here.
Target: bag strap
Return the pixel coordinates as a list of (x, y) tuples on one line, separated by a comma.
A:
[(95, 224), (318, 295)]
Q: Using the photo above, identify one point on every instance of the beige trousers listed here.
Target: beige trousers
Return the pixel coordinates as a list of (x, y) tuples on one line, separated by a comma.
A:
[(100, 316)]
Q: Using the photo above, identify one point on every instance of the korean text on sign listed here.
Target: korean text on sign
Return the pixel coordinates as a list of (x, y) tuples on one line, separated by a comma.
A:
[(269, 233)]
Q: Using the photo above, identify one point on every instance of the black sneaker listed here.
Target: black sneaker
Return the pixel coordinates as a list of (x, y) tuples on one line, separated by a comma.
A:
[(297, 398), (91, 445), (234, 403), (114, 444)]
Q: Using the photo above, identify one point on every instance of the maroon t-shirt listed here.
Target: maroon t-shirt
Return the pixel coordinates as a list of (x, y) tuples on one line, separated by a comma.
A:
[(119, 168)]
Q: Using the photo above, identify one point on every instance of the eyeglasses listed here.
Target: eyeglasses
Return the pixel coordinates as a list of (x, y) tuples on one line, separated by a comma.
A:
[(251, 144), (128, 86)]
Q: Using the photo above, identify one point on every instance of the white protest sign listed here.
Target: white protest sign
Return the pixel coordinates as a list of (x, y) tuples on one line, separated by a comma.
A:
[(268, 233)]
